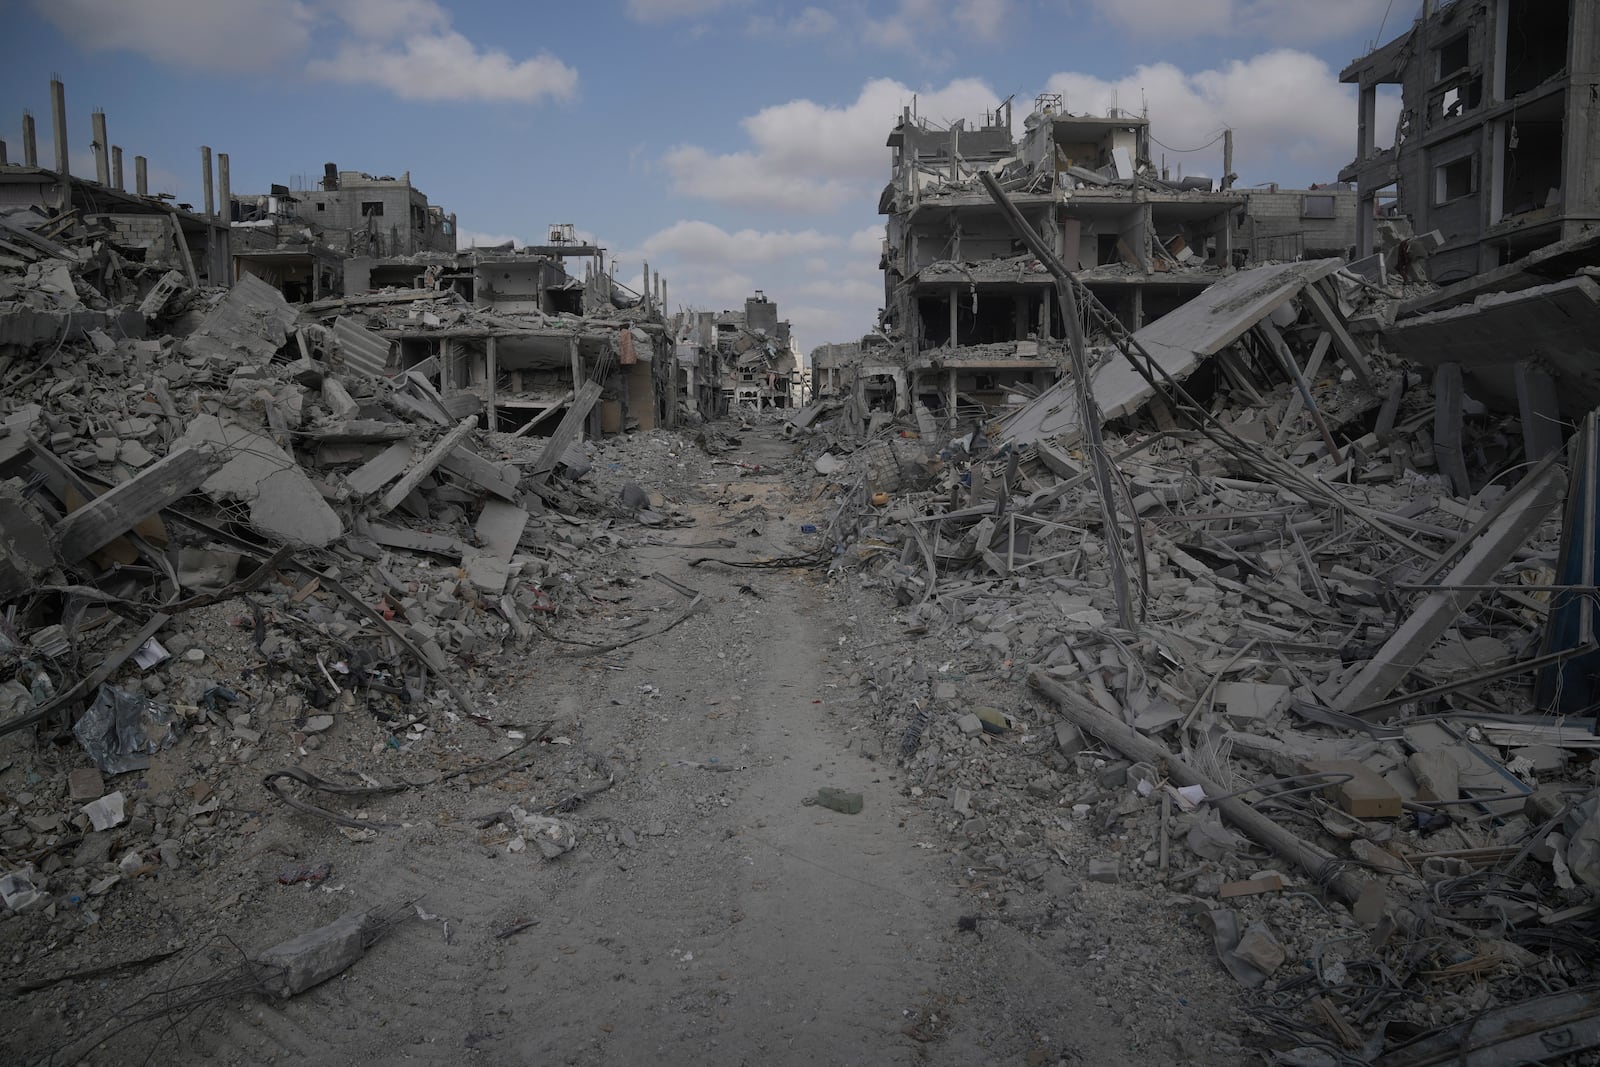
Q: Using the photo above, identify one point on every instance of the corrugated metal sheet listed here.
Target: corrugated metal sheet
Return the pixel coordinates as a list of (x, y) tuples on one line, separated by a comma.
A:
[(362, 350)]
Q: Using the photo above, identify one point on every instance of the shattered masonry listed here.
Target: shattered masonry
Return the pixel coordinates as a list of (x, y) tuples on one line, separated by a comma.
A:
[(1282, 612)]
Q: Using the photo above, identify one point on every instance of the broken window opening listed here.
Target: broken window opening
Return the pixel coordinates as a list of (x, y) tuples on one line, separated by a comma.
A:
[(1105, 251), (1452, 56), (934, 311), (1454, 180), (321, 206), (1458, 100), (1532, 166), (1535, 43), (371, 208)]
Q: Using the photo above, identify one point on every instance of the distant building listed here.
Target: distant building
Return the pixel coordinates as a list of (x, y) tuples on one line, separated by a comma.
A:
[(298, 239), (972, 316)]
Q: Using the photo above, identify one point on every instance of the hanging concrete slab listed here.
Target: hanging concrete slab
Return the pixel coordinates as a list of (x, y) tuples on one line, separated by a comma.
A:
[(1178, 342), (1558, 323)]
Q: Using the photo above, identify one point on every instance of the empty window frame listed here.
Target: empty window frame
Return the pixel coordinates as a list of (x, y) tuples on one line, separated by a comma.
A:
[(371, 207), (1455, 179), (1318, 206), (1452, 56)]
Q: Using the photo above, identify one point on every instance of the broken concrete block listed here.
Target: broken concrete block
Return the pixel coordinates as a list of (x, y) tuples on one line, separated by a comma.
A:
[(1251, 704), (283, 502), (1260, 949), (1069, 739), (1105, 870), (969, 725), (1437, 774), (313, 958), (1362, 794), (85, 784)]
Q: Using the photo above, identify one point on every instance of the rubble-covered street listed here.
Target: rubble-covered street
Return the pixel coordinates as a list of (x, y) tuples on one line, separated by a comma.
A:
[(1166, 636)]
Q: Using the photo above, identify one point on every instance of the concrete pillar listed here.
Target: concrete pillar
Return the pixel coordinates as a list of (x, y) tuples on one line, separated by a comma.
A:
[(225, 187), (1448, 452), (1366, 123), (955, 300), (1539, 406), (4, 158), (646, 285), (30, 141), (1227, 159), (205, 165), (141, 176), (58, 119), (102, 149), (116, 168)]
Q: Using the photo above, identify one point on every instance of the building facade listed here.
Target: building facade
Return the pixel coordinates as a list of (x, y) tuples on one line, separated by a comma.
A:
[(1498, 142)]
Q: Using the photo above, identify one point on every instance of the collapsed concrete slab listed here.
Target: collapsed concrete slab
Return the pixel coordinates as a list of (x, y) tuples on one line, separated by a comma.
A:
[(284, 504), (250, 324), (1178, 343)]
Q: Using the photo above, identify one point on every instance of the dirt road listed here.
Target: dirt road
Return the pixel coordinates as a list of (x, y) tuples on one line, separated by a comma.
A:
[(709, 914)]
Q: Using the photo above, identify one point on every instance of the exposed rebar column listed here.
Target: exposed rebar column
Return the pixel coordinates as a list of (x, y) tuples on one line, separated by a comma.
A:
[(1228, 177), (205, 165), (30, 141), (116, 168), (141, 176), (225, 188), (102, 148), (645, 285), (58, 119)]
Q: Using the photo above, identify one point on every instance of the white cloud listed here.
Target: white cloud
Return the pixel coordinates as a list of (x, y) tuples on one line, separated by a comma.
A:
[(1296, 21), (189, 33), (1286, 108), (902, 29), (404, 46), (811, 157), (811, 22), (666, 10), (446, 66), (745, 180), (694, 240), (858, 290), (867, 241), (914, 22), (983, 18), (388, 20)]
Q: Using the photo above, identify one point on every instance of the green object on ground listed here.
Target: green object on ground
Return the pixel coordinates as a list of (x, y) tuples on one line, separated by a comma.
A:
[(839, 800)]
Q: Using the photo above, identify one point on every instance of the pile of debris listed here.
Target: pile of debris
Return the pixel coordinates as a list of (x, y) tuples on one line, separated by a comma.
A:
[(1293, 628), (228, 523)]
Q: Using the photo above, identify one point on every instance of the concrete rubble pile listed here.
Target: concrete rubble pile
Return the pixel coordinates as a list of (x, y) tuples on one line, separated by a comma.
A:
[(228, 527), (1293, 691)]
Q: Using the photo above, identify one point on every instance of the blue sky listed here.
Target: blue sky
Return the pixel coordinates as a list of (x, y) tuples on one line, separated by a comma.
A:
[(734, 145)]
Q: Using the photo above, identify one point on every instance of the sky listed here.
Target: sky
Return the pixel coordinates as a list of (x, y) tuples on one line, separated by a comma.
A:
[(731, 144)]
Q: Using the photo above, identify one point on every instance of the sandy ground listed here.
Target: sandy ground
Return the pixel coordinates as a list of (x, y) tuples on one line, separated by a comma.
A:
[(708, 915)]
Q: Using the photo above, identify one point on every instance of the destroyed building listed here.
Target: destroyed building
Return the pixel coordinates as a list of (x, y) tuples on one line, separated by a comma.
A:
[(748, 353), (974, 315), (1498, 138), (298, 239)]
